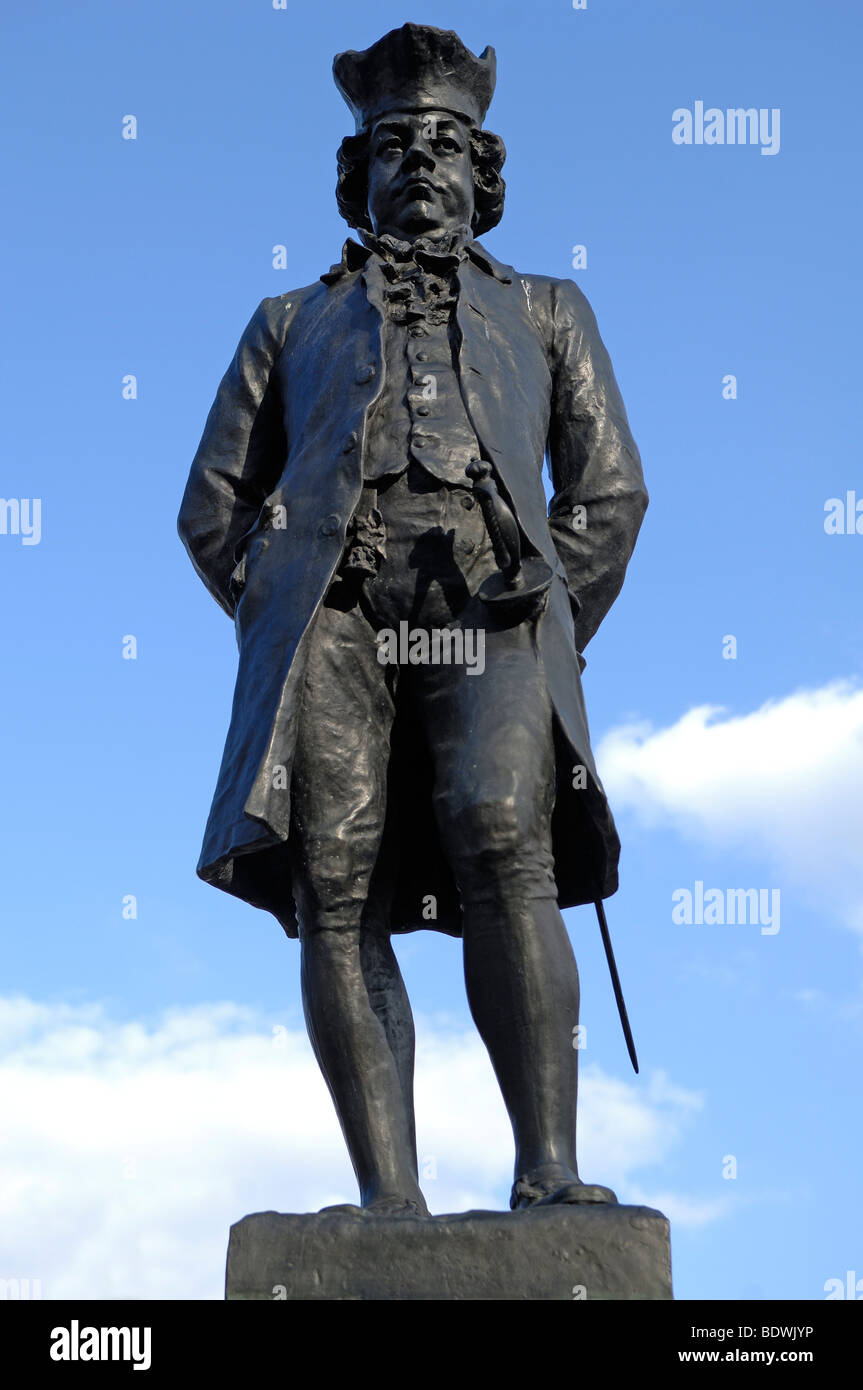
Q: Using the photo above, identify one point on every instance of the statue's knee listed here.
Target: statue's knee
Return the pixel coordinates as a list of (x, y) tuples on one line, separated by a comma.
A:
[(323, 905), (329, 895), (485, 834), (500, 849)]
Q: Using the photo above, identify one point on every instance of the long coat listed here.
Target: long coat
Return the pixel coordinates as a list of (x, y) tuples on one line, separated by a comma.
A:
[(276, 479)]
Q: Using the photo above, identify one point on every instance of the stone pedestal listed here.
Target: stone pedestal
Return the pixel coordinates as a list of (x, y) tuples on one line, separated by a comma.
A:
[(565, 1252)]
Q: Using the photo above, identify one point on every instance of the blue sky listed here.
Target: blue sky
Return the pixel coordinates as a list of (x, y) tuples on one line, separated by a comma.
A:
[(155, 1071)]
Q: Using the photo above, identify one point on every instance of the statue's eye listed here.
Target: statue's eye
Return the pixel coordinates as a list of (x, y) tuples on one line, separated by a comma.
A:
[(445, 143), (390, 146)]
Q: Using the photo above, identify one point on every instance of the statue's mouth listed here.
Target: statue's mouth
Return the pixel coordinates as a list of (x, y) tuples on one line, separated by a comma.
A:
[(419, 188)]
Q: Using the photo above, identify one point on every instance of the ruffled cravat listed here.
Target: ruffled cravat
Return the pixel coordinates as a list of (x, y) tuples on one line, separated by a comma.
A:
[(421, 275), (441, 253)]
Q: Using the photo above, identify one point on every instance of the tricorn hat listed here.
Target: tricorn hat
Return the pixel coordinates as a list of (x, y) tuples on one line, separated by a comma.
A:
[(416, 68)]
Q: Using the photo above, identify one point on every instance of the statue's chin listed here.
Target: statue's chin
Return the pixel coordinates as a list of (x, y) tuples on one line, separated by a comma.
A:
[(418, 226), (418, 220)]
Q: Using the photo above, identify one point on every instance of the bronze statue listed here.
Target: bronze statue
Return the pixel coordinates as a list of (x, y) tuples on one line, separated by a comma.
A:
[(367, 504)]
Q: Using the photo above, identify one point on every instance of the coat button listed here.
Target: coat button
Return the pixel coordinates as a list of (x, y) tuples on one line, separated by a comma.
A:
[(423, 410), (365, 374), (468, 502), (422, 357), (350, 443), (329, 526)]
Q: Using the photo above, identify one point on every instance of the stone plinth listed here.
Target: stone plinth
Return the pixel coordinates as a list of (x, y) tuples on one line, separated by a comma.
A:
[(564, 1252)]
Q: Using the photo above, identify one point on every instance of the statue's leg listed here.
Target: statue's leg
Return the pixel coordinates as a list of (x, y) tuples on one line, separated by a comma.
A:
[(361, 1072), (389, 999), (494, 795), (355, 1008)]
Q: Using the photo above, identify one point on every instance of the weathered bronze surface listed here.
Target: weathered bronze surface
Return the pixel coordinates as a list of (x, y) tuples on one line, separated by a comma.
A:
[(408, 745)]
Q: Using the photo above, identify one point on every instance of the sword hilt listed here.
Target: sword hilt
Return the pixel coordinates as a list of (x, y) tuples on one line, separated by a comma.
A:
[(520, 588), (499, 520)]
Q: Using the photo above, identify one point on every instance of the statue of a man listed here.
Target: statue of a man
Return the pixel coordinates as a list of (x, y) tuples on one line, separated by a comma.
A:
[(370, 475)]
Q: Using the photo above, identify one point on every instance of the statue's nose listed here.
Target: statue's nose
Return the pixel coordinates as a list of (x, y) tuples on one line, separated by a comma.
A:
[(417, 157)]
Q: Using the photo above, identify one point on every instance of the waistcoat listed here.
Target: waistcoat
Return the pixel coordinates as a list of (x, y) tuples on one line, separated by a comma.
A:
[(420, 414)]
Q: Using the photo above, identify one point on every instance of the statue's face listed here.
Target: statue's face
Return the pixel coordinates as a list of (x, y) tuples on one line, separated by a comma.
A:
[(420, 174)]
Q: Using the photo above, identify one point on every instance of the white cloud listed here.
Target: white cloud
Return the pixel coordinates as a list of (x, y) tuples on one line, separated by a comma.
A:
[(129, 1149), (782, 783)]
